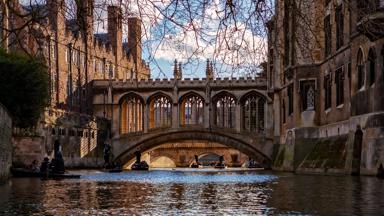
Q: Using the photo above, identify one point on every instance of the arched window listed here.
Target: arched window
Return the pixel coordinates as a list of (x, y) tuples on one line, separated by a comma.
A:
[(360, 70), (372, 66), (224, 111), (160, 112), (253, 113), (131, 118), (192, 110)]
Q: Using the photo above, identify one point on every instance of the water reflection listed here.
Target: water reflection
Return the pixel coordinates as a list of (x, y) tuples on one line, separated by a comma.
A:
[(194, 193)]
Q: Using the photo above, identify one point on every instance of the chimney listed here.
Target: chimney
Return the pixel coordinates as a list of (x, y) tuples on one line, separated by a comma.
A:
[(115, 34), (84, 15), (134, 38), (56, 14)]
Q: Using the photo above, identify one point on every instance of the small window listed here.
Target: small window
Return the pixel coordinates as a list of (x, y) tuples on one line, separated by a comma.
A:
[(339, 26), (290, 99), (372, 66), (328, 35), (327, 91), (360, 70), (80, 133), (71, 132), (339, 81), (307, 93)]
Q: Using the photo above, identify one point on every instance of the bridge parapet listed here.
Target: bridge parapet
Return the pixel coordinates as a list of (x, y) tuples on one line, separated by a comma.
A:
[(187, 82)]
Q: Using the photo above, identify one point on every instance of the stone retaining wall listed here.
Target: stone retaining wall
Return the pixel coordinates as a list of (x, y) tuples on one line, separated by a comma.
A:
[(5, 143)]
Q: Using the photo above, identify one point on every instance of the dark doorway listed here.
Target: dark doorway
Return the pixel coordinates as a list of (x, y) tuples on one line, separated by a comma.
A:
[(357, 146)]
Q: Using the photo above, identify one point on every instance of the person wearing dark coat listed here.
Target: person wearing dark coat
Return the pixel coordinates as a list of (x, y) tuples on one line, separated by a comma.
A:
[(59, 164), (44, 165)]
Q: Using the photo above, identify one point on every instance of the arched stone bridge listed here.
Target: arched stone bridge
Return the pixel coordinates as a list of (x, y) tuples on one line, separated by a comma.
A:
[(147, 113)]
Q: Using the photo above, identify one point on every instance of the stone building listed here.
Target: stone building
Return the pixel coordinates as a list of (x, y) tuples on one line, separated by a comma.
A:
[(75, 56), (325, 72)]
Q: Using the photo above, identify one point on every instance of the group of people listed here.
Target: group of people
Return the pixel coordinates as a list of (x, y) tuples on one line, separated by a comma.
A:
[(56, 165)]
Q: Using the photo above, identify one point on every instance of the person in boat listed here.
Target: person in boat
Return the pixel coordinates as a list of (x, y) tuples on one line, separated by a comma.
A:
[(59, 164), (56, 148), (221, 159), (44, 165), (52, 165), (34, 166), (138, 156), (106, 152)]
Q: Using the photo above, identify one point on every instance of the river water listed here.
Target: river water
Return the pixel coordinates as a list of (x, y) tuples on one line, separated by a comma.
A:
[(194, 192)]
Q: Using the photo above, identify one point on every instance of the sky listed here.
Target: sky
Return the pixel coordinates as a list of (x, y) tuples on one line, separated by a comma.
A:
[(193, 31)]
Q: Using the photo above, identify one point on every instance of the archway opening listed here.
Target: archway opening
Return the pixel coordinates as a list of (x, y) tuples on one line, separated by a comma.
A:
[(162, 162), (182, 153), (209, 159)]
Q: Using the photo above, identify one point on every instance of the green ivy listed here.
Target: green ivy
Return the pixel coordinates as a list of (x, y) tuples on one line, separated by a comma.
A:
[(24, 83)]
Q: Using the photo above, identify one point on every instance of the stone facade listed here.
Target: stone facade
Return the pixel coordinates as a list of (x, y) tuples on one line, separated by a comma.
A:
[(5, 143), (325, 72), (75, 56)]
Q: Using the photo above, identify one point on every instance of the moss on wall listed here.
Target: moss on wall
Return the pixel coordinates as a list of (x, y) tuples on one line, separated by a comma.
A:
[(327, 153)]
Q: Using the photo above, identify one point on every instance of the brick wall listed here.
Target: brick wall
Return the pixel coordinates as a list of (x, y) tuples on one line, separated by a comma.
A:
[(5, 143)]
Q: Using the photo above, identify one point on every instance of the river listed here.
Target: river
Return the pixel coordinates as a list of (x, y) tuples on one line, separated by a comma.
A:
[(194, 192)]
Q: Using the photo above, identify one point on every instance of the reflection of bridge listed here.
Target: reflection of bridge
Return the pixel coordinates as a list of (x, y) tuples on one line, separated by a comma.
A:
[(148, 113)]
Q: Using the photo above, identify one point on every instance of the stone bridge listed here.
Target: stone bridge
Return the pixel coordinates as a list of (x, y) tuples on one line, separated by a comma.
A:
[(147, 113)]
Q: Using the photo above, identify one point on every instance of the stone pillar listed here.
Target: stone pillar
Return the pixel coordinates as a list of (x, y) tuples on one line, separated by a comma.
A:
[(206, 115), (238, 117), (175, 115), (115, 120), (146, 119)]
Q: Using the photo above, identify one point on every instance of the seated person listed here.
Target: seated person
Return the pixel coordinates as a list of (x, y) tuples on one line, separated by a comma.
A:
[(44, 165)]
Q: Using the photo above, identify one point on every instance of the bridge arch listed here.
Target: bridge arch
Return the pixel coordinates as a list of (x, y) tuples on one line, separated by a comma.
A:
[(127, 94), (157, 94), (224, 93), (125, 146), (163, 161), (182, 96)]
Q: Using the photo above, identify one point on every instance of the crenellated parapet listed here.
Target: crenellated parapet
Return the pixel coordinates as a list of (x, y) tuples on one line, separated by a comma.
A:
[(250, 82)]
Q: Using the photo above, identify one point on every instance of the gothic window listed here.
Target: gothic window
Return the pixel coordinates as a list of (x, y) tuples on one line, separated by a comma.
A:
[(131, 117), (160, 112), (339, 26), (328, 35), (372, 66), (360, 70), (290, 99), (339, 81), (307, 93), (253, 113), (192, 110), (327, 91), (224, 111)]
